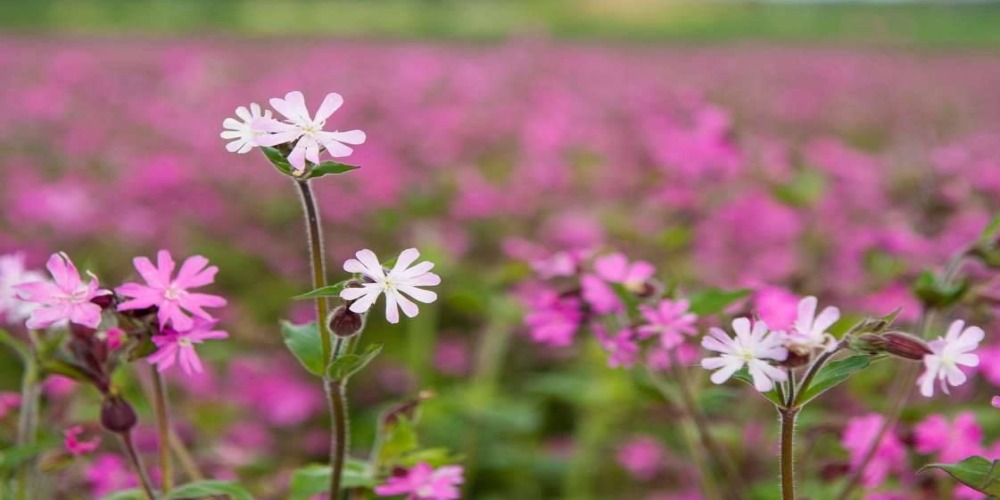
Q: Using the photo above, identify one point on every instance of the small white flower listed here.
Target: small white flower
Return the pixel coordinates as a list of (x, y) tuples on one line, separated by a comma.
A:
[(401, 279), (307, 130), (753, 348), (12, 273), (810, 331), (950, 351), (243, 135)]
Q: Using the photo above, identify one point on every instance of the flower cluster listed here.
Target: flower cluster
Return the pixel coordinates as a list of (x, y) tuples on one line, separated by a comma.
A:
[(302, 132)]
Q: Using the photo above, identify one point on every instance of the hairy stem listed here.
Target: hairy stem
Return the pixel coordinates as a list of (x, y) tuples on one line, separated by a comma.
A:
[(27, 426), (163, 428), (140, 470), (336, 393), (788, 452)]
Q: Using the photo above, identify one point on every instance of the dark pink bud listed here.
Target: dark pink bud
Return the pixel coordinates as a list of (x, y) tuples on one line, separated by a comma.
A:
[(117, 415), (345, 323)]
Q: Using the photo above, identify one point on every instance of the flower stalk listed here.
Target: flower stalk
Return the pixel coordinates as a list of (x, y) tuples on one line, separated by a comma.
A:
[(162, 410), (140, 470), (788, 452), (27, 425)]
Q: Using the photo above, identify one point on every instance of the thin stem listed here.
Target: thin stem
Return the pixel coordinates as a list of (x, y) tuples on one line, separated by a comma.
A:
[(693, 413), (814, 368), (336, 392), (27, 426), (163, 428), (140, 470), (788, 453), (185, 459), (317, 262)]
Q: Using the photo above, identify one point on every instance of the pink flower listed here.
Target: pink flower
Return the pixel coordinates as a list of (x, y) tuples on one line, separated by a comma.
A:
[(114, 337), (670, 320), (995, 401), (308, 131), (553, 319), (75, 446), (952, 443), (642, 457), (8, 401), (107, 473), (422, 482), (68, 299), (623, 351), (601, 298), (12, 273), (176, 346), (889, 456), (776, 306), (615, 268), (171, 295)]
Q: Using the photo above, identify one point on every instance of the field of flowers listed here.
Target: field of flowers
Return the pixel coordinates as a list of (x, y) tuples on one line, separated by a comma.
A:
[(552, 185)]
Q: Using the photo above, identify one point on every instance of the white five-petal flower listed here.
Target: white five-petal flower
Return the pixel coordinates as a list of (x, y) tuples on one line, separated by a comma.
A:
[(810, 330), (306, 129), (950, 351), (753, 347), (242, 134), (401, 281)]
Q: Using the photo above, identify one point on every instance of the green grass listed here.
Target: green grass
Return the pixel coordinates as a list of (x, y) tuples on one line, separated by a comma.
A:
[(642, 20)]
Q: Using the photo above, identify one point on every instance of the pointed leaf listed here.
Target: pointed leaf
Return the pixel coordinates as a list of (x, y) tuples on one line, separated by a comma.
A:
[(975, 472), (18, 346), (201, 489), (349, 364), (326, 291), (398, 439), (305, 344), (312, 480), (833, 374), (330, 168), (715, 300), (278, 160)]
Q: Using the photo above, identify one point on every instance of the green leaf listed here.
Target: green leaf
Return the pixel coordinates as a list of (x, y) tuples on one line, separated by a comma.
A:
[(201, 489), (305, 344), (744, 375), (330, 168), (13, 457), (627, 297), (132, 494), (349, 364), (278, 160), (326, 291), (399, 438), (314, 479), (66, 369), (435, 457), (715, 300), (934, 292), (991, 234), (975, 472), (876, 325), (833, 374)]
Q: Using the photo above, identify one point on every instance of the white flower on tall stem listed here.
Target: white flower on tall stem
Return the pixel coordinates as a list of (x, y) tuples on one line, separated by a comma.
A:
[(401, 281), (307, 130), (810, 331), (950, 352), (241, 134), (753, 347)]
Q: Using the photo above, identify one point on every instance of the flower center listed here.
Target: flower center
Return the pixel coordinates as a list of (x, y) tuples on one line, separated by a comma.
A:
[(184, 342), (172, 292)]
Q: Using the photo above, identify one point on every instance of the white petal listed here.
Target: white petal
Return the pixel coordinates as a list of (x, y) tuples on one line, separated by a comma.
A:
[(726, 371), (391, 308), (425, 296), (331, 103), (243, 113), (426, 279), (365, 302), (372, 266), (349, 137), (406, 257), (408, 307)]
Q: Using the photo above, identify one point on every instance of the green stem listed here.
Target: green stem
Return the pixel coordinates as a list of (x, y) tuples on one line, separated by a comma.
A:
[(336, 395), (27, 426), (788, 452), (163, 428), (140, 470)]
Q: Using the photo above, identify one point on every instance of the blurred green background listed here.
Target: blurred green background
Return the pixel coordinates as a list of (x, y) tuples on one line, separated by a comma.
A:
[(881, 23)]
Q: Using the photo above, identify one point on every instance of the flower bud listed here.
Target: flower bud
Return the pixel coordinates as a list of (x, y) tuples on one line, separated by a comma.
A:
[(896, 343), (104, 301), (345, 323), (117, 415), (795, 359)]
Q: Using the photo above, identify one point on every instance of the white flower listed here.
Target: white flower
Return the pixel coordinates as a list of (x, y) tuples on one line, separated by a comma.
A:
[(402, 279), (12, 273), (750, 348), (243, 133), (307, 130), (950, 351), (809, 331)]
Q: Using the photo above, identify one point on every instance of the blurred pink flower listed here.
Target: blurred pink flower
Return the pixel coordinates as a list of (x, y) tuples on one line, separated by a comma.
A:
[(9, 401), (670, 320), (622, 349), (642, 457), (423, 482), (67, 299), (752, 347), (108, 473), (308, 131), (889, 456), (274, 391), (776, 306), (553, 319), (995, 402), (401, 281), (616, 268), (170, 295), (173, 346), (12, 273), (73, 444), (951, 442), (950, 351), (452, 357)]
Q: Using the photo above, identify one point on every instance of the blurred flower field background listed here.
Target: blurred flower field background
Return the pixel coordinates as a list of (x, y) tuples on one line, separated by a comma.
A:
[(834, 150)]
